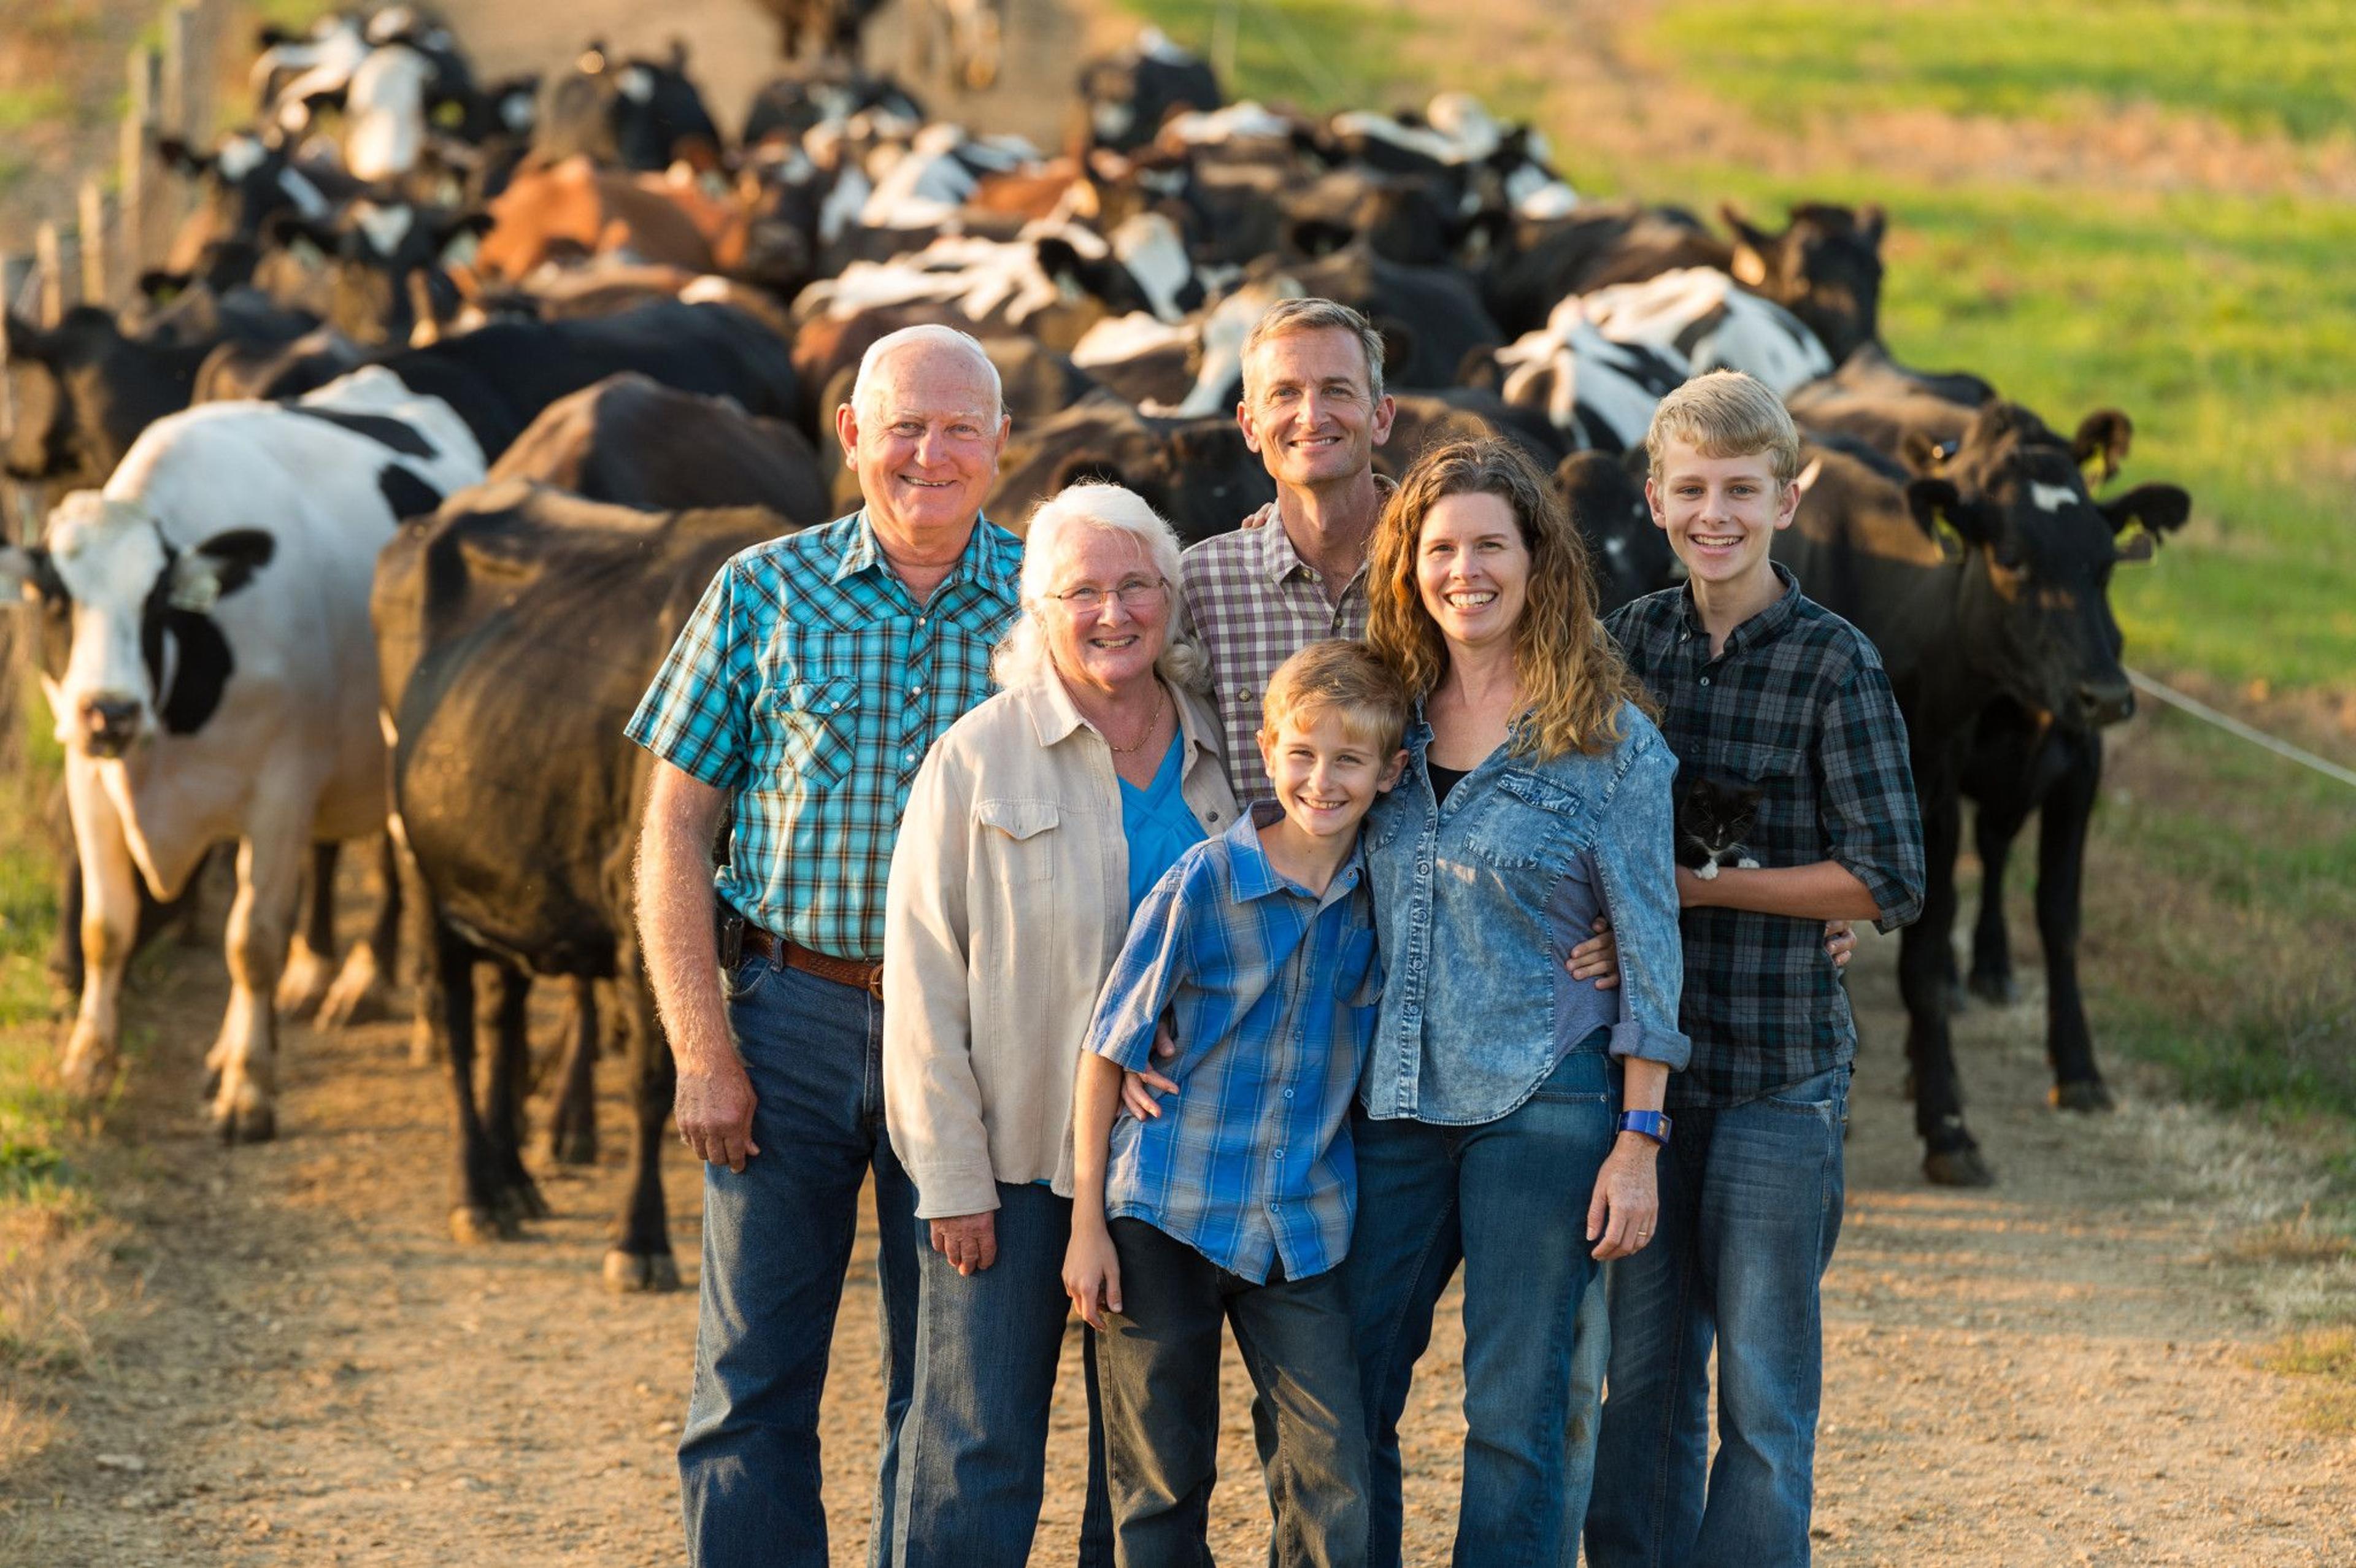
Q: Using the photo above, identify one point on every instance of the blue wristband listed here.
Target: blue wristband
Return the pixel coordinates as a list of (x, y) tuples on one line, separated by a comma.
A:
[(1653, 1124)]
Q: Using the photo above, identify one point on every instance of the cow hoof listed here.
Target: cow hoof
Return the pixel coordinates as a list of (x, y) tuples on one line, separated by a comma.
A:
[(479, 1225), (627, 1274), (86, 1074), (245, 1124), (2086, 1098), (1997, 987), (1958, 1167), (520, 1200), (356, 996)]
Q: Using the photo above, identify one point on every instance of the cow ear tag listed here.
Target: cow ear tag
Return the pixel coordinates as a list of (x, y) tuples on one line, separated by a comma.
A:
[(1749, 268), (2140, 544), (194, 590)]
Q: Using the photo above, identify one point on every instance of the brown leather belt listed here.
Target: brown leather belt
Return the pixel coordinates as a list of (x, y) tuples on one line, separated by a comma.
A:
[(868, 978)]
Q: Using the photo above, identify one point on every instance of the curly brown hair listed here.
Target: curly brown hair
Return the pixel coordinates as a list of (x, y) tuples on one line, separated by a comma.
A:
[(1572, 679)]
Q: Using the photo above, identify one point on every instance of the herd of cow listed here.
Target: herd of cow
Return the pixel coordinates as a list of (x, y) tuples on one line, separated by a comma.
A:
[(455, 394)]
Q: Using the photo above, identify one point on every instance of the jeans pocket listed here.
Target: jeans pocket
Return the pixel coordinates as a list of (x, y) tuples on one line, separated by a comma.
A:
[(1580, 1077), (740, 983)]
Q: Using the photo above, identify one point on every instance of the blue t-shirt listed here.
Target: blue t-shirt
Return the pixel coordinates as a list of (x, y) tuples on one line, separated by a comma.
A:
[(1158, 823)]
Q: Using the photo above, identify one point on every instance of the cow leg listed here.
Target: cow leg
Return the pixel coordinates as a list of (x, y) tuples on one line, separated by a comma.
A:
[(110, 928), (2065, 815), (510, 1079), (640, 1257), (304, 983), (261, 921), (1951, 1154), (573, 1124), (359, 992), (65, 953), (1998, 823), (447, 998)]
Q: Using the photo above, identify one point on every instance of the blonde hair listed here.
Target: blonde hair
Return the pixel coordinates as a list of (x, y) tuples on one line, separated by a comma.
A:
[(1572, 679), (1286, 317), (1021, 657), (1727, 414), (1339, 677)]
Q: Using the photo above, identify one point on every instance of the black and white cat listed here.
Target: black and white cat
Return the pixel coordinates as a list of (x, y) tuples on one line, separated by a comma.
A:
[(1713, 819)]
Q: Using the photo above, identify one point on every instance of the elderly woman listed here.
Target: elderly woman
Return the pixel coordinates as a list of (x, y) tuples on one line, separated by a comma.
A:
[(1035, 825), (1492, 1131)]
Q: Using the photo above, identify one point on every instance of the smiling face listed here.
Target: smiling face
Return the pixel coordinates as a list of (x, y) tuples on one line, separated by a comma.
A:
[(1472, 568), (1720, 513), (1325, 770), (925, 439), (1112, 645), (1309, 409)]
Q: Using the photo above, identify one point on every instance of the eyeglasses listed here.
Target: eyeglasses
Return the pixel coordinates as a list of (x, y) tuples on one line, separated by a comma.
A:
[(1134, 594)]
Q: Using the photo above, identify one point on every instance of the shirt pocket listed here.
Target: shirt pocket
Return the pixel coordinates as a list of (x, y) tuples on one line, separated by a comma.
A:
[(819, 729), (1523, 821), (1020, 837), (1786, 797)]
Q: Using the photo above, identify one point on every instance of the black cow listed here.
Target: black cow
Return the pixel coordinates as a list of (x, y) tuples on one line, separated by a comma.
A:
[(510, 594), (639, 113), (500, 376), (248, 179), (1124, 97), (1825, 268), (382, 267), (633, 441), (1629, 553), (79, 393), (1535, 263), (1985, 580), (828, 29), (1198, 473)]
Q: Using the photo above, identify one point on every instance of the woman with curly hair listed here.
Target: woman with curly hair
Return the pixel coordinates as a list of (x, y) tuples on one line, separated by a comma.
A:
[(1509, 1114)]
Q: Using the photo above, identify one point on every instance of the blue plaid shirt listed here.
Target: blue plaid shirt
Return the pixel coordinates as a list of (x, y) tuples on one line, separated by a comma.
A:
[(1274, 992), (810, 683)]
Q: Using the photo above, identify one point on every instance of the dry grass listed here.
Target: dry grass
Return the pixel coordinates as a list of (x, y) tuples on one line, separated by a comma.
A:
[(2328, 1358)]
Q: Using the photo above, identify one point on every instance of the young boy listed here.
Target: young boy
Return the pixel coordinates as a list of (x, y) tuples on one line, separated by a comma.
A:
[(1757, 686), (1235, 1205)]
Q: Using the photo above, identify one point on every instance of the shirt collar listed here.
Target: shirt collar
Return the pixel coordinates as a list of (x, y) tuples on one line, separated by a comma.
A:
[(1762, 627), (1054, 717), (1279, 561), (986, 560), (1255, 876)]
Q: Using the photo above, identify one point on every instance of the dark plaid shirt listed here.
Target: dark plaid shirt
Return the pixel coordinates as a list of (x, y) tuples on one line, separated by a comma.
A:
[(1797, 704)]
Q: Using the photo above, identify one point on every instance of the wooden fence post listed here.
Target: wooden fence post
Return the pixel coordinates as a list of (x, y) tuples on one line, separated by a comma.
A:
[(49, 260), (139, 193)]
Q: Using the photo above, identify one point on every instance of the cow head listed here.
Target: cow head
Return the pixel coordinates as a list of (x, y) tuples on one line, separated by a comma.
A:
[(386, 260), (1605, 493), (2039, 553), (141, 650), (645, 113), (79, 393), (246, 178), (1825, 268)]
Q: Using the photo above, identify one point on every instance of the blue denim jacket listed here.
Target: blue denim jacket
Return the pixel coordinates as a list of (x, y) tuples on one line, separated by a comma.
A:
[(1478, 903)]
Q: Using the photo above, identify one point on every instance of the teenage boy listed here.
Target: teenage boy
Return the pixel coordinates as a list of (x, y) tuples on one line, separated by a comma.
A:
[(1757, 686), (1234, 1204)]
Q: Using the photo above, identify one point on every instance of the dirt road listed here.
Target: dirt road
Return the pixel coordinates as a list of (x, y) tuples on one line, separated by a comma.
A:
[(2058, 1371)]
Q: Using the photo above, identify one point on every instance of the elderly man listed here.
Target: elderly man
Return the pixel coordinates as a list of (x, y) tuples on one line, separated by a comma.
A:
[(796, 706)]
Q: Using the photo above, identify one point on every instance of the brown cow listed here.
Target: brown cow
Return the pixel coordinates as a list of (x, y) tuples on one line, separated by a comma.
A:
[(575, 208)]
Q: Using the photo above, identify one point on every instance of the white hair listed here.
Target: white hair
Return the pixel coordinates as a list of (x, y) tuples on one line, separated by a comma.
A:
[(1022, 659), (937, 335)]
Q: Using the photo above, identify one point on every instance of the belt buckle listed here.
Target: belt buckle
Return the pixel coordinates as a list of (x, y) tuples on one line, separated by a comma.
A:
[(875, 982)]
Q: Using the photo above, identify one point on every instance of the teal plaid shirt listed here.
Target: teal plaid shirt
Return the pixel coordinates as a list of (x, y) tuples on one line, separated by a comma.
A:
[(810, 684)]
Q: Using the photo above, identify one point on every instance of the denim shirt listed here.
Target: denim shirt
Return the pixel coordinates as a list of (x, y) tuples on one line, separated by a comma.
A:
[(1474, 908)]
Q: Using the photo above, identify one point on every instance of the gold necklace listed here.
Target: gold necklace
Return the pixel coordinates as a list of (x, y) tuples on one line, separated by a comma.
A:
[(1152, 726)]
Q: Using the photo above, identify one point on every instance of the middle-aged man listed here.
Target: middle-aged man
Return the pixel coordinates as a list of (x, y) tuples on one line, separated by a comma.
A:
[(807, 686)]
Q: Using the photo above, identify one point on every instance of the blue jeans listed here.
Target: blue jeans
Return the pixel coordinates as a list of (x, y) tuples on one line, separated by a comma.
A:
[(1751, 1207), (776, 1241), (1508, 1199), (1159, 1364), (973, 1449)]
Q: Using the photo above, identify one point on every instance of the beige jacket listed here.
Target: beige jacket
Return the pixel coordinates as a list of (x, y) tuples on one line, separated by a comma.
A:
[(1008, 903)]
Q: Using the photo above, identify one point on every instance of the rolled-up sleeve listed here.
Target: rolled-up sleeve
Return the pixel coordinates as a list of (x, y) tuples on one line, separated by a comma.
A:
[(1635, 859), (1871, 818), (932, 1101), (695, 714)]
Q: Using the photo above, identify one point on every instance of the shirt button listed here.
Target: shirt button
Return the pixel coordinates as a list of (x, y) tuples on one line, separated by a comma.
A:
[(1279, 1154), (1704, 680), (1288, 1094), (916, 689), (1243, 693)]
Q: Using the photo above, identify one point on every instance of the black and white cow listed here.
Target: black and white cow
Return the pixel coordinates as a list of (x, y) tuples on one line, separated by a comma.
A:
[(1701, 313), (220, 678), (1124, 97), (1599, 394)]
